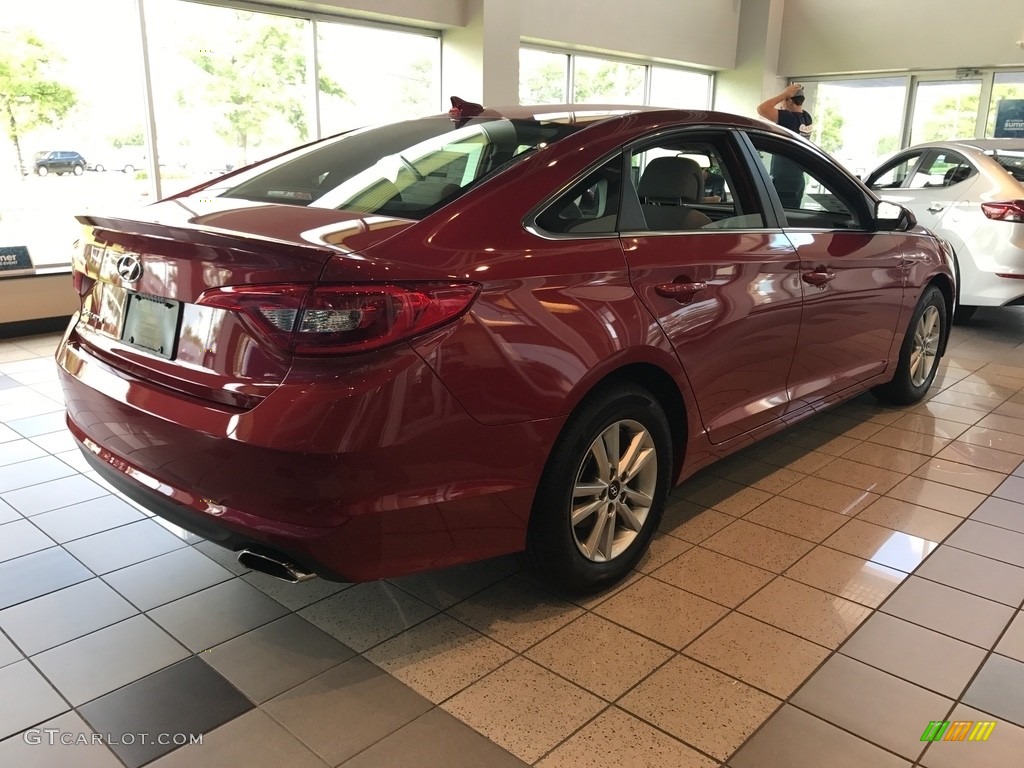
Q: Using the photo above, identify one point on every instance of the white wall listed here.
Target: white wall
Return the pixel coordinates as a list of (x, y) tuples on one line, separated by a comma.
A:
[(835, 36)]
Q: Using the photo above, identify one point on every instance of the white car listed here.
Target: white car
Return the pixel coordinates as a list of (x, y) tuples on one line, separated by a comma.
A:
[(970, 192)]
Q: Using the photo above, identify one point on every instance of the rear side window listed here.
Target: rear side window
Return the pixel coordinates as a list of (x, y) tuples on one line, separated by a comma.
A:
[(590, 206), (941, 169), (405, 169), (1013, 164)]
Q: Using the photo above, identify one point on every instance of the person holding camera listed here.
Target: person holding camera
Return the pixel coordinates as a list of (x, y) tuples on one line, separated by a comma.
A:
[(787, 109)]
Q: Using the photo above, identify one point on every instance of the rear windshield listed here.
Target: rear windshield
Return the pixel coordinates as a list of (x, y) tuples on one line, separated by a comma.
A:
[(1013, 162), (407, 169)]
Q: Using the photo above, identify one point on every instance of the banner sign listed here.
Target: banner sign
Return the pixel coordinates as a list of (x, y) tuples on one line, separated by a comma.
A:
[(1009, 119)]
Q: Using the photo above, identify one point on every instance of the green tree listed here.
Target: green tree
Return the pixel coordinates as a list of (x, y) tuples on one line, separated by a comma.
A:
[(29, 95), (951, 118), (830, 131), (888, 144), (545, 85), (133, 139), (257, 76), (611, 82)]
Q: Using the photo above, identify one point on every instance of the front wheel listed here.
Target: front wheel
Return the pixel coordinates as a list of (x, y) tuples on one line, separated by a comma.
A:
[(601, 496), (919, 355), (78, 170), (42, 170)]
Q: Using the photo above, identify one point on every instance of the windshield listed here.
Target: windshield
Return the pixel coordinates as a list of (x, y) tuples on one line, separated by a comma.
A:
[(406, 169)]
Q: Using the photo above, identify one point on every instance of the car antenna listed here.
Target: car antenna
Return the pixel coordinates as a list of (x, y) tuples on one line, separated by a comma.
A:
[(463, 110)]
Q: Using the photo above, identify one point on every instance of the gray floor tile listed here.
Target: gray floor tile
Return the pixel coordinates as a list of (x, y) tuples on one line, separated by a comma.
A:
[(39, 425), (343, 711), (990, 541), (999, 689), (38, 574), (1011, 488), (216, 614), (8, 653), (26, 699), (871, 704), (86, 518), (167, 577), (933, 661), (1012, 642), (56, 442), (275, 657), (1003, 748), (793, 738), (982, 576), (183, 700), (31, 472), (253, 740), (221, 556), (435, 740), (8, 513), (294, 596), (19, 450), (109, 658), (56, 618), (124, 546), (41, 746), (949, 611), (1001, 512), (21, 538)]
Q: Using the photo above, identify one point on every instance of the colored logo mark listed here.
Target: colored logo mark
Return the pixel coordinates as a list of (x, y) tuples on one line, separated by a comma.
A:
[(958, 730)]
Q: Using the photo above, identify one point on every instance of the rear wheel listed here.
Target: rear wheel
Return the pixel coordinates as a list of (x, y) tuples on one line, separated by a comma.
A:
[(78, 170), (919, 355), (602, 494)]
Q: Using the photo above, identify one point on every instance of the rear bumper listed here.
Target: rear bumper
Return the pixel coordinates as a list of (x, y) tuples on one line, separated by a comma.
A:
[(364, 476)]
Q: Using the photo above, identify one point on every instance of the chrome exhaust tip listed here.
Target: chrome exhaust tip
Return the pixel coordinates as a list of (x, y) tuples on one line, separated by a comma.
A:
[(275, 566)]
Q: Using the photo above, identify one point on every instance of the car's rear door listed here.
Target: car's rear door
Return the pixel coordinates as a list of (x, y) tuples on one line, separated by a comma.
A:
[(853, 275), (725, 288)]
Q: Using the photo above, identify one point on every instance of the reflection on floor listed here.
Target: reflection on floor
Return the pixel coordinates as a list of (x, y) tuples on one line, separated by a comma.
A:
[(817, 601)]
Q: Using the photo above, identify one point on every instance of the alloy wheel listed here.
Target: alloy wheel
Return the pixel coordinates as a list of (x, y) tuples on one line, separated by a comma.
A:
[(924, 354)]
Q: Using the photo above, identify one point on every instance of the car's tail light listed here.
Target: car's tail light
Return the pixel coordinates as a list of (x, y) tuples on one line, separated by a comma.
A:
[(1008, 210), (342, 319)]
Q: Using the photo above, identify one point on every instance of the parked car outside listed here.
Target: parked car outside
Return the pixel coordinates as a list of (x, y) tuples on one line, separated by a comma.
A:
[(59, 162), (970, 192), (467, 335)]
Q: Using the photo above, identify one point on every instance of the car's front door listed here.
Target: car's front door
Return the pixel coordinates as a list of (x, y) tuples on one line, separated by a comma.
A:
[(852, 275), (932, 188), (722, 283)]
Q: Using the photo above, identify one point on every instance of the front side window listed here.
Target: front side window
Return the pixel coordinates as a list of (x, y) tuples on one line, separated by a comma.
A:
[(894, 173)]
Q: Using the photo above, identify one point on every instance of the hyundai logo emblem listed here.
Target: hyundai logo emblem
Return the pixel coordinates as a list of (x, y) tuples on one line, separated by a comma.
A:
[(129, 268)]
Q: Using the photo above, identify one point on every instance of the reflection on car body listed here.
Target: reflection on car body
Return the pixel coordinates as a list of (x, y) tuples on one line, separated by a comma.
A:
[(467, 335)]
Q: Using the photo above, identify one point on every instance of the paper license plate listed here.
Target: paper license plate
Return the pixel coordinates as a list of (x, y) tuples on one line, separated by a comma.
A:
[(151, 323)]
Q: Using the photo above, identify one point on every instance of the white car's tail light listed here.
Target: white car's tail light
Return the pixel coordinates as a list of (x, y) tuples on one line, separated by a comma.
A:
[(343, 319), (1008, 210)]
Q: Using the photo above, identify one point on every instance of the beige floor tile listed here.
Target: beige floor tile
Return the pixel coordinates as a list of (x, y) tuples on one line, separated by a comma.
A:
[(616, 739), (524, 708), (948, 411), (663, 548), (739, 646), (990, 376), (930, 425), (714, 576), (818, 440), (1012, 371), (1010, 408), (993, 438), (910, 518), (863, 476), (782, 454), (602, 657), (756, 474), (882, 545), (870, 410), (1012, 642), (845, 575), (904, 462), (448, 586), (966, 400), (927, 493), (905, 440), (797, 518), (960, 476), (692, 523), (661, 612), (439, 657), (979, 456), (815, 615), (1002, 423), (839, 424), (701, 706), (723, 495), (835, 497), (515, 613), (759, 546)]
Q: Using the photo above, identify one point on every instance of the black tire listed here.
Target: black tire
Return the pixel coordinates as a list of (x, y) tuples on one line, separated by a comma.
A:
[(128, 168), (919, 355), (576, 557), (78, 170), (42, 170)]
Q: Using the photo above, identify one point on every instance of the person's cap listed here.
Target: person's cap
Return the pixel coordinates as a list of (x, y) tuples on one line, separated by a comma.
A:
[(798, 98)]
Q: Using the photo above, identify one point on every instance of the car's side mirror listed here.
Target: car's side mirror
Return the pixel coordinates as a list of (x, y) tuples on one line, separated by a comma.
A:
[(891, 217)]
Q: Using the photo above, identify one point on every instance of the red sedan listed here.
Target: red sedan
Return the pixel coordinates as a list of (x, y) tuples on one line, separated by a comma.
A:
[(471, 334)]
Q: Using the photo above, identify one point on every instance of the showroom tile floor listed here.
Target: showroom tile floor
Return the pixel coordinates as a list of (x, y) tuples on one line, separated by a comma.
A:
[(816, 601)]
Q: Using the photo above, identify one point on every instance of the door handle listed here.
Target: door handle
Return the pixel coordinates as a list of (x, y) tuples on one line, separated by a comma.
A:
[(819, 277), (936, 207), (681, 292)]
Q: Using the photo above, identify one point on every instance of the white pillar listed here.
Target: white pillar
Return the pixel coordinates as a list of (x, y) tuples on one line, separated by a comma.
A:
[(756, 76), (480, 61)]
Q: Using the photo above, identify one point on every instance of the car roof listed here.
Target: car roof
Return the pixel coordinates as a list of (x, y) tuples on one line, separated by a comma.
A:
[(982, 145)]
